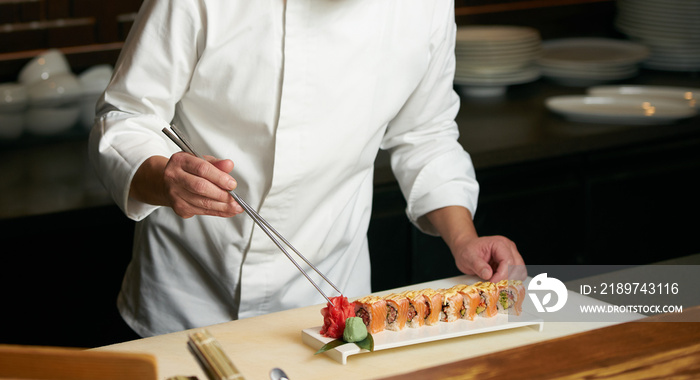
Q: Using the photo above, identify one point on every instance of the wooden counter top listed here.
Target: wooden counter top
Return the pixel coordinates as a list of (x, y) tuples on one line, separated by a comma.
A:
[(258, 344), (664, 346)]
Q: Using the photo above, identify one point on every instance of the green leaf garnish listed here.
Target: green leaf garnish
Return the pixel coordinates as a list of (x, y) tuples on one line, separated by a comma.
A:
[(330, 345), (367, 343)]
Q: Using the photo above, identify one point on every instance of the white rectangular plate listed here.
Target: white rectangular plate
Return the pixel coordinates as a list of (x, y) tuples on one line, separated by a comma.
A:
[(408, 336)]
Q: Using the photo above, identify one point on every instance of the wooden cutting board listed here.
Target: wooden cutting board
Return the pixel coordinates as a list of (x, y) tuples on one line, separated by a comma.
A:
[(656, 347), (58, 363)]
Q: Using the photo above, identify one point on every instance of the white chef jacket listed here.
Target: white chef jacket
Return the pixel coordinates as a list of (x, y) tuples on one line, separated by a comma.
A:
[(301, 96)]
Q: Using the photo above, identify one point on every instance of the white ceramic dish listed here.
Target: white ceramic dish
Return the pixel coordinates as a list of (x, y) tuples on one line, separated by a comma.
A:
[(685, 94), (593, 72), (474, 91), (577, 52), (590, 77), (44, 65), (670, 28), (621, 110), (13, 97), (520, 76), (58, 90), (494, 69), (521, 48), (95, 79), (408, 336), (496, 34)]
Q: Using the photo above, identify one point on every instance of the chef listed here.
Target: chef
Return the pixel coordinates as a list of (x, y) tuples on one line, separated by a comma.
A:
[(301, 95)]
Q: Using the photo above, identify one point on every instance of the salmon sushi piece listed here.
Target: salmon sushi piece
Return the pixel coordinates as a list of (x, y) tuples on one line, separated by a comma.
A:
[(433, 302), (417, 309), (511, 294), (396, 311), (452, 305), (372, 310), (488, 299), (471, 300)]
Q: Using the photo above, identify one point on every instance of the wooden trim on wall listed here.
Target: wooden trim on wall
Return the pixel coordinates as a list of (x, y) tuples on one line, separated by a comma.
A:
[(95, 48), (519, 5)]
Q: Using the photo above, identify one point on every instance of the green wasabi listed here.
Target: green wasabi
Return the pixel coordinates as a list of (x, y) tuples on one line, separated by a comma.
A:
[(355, 330)]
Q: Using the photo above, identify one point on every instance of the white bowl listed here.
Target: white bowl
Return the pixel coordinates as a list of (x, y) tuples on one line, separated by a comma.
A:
[(95, 79), (13, 97), (11, 125), (43, 66), (49, 121), (56, 91)]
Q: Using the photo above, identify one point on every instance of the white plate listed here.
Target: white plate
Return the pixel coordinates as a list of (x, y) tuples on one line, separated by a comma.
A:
[(408, 336), (666, 65), (498, 54), (525, 75), (579, 52), (489, 71), (593, 74), (670, 31), (490, 47), (496, 34), (584, 78), (619, 109), (685, 94)]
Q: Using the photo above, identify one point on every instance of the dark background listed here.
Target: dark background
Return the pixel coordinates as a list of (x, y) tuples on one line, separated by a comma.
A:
[(631, 201)]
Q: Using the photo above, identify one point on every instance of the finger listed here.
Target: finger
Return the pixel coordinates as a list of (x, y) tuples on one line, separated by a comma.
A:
[(506, 260), (225, 166), (502, 271), (207, 178), (480, 267), (192, 193), (192, 204)]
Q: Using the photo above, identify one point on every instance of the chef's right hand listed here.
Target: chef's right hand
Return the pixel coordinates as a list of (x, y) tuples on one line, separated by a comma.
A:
[(189, 185)]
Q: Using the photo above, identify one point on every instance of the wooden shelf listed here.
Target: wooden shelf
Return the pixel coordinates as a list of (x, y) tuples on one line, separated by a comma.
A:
[(509, 6)]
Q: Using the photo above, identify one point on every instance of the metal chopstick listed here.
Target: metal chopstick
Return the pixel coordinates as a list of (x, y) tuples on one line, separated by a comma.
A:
[(178, 138)]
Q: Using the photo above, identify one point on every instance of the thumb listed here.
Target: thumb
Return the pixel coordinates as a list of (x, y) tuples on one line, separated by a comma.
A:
[(481, 268)]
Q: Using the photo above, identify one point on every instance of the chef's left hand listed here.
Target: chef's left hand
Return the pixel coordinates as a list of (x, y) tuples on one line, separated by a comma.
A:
[(492, 258)]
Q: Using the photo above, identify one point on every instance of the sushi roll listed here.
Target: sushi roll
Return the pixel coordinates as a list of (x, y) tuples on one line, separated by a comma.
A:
[(488, 299), (452, 305), (471, 300), (433, 301), (396, 311), (511, 294), (417, 309), (372, 310)]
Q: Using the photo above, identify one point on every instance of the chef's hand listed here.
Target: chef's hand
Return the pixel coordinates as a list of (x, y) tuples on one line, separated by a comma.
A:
[(189, 185), (492, 258)]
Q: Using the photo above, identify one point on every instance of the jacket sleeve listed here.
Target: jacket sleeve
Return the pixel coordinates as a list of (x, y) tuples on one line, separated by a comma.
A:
[(150, 76), (433, 170)]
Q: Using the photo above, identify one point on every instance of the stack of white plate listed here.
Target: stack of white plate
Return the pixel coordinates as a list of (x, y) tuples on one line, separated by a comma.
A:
[(670, 28), (492, 57), (589, 61)]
